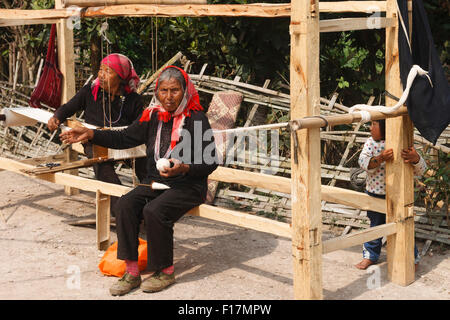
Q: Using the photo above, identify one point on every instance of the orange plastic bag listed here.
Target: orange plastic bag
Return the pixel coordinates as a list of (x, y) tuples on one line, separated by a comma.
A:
[(111, 266)]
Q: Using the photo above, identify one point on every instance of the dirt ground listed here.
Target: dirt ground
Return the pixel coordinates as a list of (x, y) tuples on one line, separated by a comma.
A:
[(42, 255)]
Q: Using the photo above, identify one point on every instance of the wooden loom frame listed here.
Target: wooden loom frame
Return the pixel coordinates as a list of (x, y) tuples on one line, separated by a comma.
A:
[(305, 182)]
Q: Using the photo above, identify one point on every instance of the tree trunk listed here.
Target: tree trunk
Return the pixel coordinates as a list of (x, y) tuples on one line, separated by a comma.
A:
[(96, 57)]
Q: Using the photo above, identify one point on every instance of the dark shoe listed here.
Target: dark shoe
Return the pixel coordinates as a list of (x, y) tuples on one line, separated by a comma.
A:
[(125, 284), (158, 281)]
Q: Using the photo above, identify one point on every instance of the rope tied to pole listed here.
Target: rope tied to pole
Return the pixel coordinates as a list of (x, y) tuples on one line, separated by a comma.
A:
[(415, 70)]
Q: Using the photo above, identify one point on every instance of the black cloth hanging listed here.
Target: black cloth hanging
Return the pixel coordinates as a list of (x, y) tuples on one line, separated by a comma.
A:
[(428, 105)]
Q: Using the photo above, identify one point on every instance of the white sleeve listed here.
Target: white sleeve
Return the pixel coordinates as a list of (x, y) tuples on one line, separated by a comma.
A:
[(420, 167), (366, 155)]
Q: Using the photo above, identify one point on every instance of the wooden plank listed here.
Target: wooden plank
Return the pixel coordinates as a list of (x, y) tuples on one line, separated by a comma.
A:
[(328, 193), (305, 164), (359, 237), (14, 22), (194, 10), (102, 220), (99, 3), (347, 24), (399, 176), (66, 179), (242, 219), (18, 16), (265, 10), (354, 6)]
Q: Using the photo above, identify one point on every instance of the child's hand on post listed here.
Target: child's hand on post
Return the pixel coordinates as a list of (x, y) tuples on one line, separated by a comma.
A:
[(410, 155)]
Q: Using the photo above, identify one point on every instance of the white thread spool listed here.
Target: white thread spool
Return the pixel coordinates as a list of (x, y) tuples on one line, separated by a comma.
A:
[(162, 164)]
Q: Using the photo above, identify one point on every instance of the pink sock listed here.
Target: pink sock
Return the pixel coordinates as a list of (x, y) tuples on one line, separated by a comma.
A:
[(168, 270), (132, 267)]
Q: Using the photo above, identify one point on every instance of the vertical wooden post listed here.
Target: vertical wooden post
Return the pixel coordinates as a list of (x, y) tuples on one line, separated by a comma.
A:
[(306, 183), (399, 176), (102, 219), (66, 63)]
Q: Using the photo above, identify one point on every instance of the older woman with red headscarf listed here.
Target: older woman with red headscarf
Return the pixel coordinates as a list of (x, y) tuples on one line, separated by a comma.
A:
[(109, 101), (176, 130)]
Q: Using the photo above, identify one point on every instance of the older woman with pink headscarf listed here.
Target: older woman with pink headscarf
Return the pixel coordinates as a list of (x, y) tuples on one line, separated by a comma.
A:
[(110, 100)]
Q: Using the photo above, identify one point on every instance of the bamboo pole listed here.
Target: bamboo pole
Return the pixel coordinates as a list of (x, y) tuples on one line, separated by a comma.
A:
[(175, 58), (320, 121)]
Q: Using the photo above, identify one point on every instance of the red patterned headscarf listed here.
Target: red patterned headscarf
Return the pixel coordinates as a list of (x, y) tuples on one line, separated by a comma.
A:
[(189, 103), (124, 68)]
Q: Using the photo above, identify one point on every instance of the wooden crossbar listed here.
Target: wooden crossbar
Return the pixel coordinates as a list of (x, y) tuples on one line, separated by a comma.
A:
[(275, 183), (359, 237), (351, 198), (103, 189), (262, 10)]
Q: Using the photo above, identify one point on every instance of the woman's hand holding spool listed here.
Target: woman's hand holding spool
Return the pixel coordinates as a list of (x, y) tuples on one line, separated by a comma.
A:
[(171, 167)]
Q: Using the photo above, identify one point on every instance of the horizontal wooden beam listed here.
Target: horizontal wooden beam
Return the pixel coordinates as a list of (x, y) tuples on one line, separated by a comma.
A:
[(252, 179), (347, 24), (66, 179), (244, 220), (334, 120), (331, 194), (206, 211), (19, 22), (261, 10), (281, 184), (359, 237), (99, 3), (354, 6), (262, 224), (353, 199), (194, 10)]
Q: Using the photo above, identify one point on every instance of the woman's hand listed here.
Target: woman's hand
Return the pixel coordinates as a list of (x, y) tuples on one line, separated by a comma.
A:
[(176, 169), (53, 123), (77, 134), (410, 155)]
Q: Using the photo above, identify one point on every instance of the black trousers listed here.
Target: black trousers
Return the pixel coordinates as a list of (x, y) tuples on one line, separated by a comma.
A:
[(159, 210), (105, 171)]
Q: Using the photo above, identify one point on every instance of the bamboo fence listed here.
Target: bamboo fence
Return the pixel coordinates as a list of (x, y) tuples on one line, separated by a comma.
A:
[(37, 141)]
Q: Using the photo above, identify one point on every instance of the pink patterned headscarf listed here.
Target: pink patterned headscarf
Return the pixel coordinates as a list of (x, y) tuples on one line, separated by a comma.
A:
[(124, 68)]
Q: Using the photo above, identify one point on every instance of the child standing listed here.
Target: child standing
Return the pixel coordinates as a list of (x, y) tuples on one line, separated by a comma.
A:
[(373, 159)]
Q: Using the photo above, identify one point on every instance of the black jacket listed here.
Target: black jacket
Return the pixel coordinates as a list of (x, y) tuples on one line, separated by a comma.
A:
[(199, 149), (124, 109)]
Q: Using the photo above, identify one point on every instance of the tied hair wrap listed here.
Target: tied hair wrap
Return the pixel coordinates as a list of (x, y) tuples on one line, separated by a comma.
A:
[(125, 70), (189, 103)]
